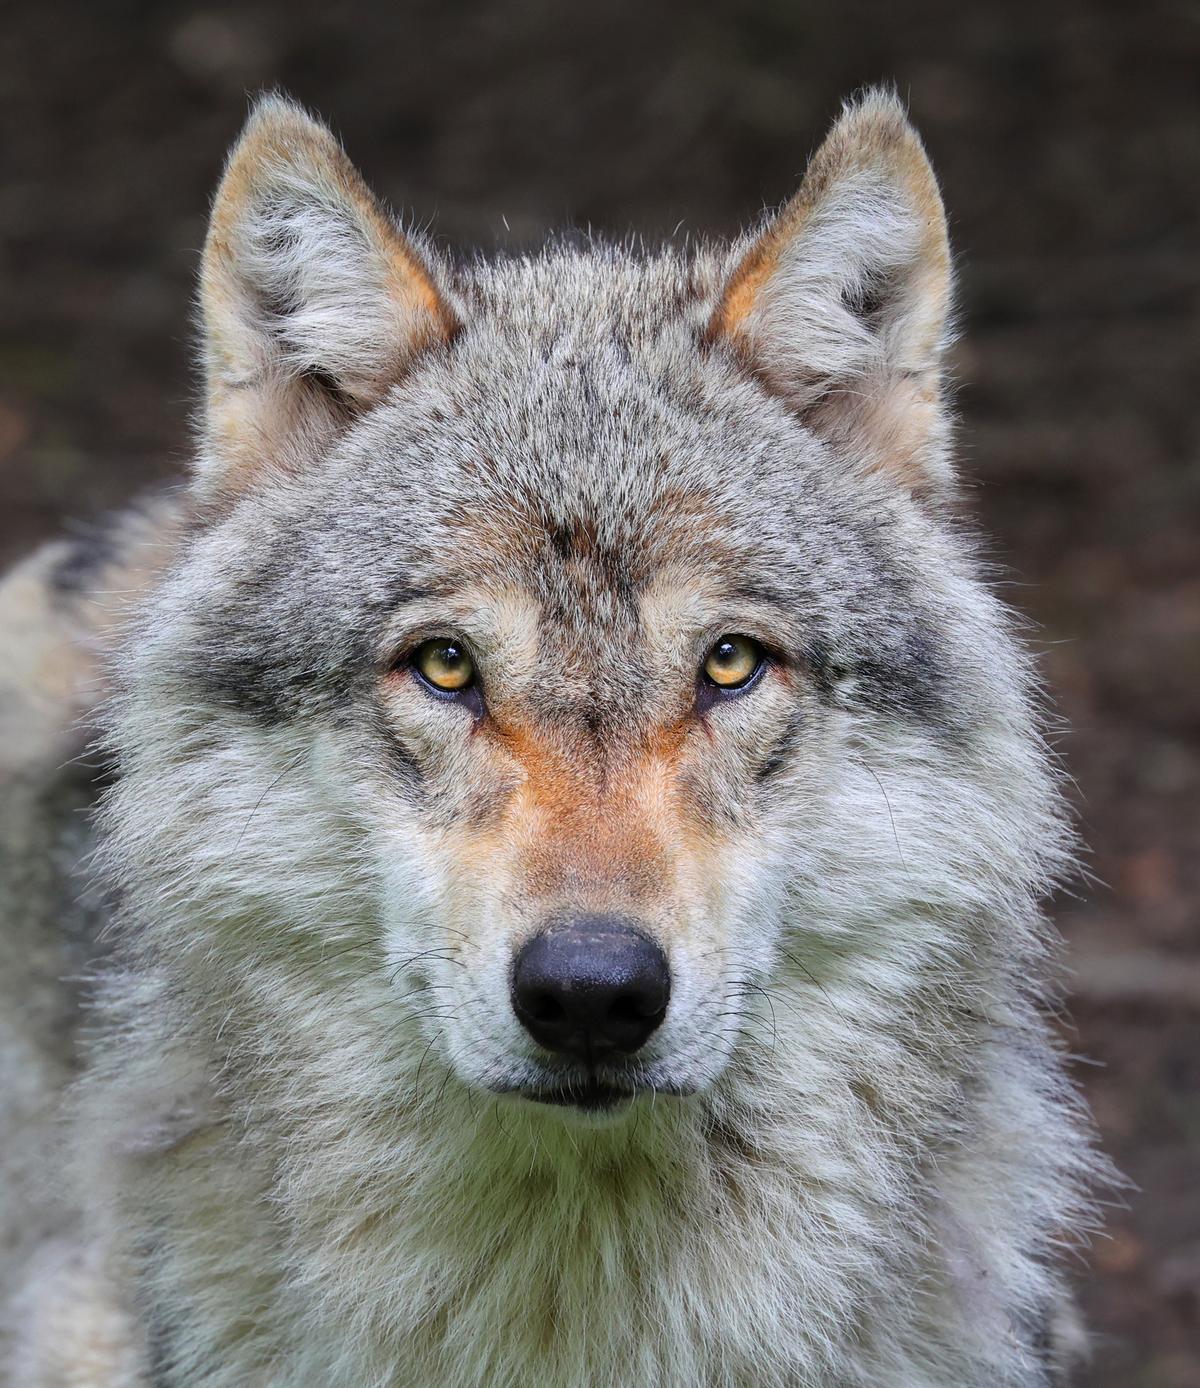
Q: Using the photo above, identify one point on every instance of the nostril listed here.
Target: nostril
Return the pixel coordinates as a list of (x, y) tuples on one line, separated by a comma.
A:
[(635, 1009), (544, 1007), (627, 1009)]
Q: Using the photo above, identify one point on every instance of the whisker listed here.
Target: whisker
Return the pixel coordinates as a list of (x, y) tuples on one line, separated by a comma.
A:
[(295, 761)]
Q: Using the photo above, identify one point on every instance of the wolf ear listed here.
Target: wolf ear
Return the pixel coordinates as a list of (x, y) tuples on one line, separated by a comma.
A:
[(313, 302), (840, 305)]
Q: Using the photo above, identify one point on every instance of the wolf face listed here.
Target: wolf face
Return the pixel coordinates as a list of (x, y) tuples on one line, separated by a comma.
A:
[(481, 543), (577, 702)]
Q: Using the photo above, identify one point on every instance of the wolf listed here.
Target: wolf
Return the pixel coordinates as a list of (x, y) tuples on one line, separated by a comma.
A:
[(566, 901)]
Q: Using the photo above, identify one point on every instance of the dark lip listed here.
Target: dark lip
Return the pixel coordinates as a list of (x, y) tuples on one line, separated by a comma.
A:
[(590, 1095)]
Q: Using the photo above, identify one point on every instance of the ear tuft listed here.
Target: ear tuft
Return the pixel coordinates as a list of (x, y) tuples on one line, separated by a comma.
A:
[(840, 305), (314, 303)]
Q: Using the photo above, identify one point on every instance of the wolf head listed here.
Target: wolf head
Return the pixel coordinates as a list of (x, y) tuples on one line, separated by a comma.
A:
[(576, 684)]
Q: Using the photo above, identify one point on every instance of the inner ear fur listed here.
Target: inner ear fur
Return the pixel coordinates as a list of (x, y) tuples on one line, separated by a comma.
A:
[(313, 301), (840, 305)]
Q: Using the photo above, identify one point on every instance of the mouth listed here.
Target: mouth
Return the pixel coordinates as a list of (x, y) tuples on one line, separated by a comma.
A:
[(588, 1093), (589, 1096)]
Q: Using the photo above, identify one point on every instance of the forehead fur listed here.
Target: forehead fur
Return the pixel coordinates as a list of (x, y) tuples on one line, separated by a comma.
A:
[(581, 405), (578, 440)]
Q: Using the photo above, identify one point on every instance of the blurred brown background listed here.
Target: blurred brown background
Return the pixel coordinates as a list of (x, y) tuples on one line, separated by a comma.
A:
[(1067, 136)]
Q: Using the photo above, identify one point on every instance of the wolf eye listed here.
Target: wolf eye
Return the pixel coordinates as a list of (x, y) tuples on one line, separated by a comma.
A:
[(445, 664), (733, 662)]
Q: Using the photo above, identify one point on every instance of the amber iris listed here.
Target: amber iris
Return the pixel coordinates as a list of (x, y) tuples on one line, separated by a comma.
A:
[(445, 664), (733, 661)]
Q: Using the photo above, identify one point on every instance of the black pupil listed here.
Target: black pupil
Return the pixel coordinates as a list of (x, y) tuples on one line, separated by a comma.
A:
[(726, 652), (451, 656)]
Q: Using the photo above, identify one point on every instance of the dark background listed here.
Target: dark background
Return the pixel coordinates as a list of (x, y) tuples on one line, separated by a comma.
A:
[(1067, 137)]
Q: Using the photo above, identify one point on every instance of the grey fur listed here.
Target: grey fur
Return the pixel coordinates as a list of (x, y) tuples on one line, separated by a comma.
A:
[(287, 1164)]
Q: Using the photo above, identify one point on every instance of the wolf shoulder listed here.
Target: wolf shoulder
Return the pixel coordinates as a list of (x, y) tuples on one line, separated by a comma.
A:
[(62, 610), (61, 613)]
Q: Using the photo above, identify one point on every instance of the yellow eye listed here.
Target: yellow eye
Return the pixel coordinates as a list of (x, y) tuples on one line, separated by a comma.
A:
[(733, 661), (444, 664)]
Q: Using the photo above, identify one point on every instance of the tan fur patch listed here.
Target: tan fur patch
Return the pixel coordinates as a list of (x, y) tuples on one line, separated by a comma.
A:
[(579, 834)]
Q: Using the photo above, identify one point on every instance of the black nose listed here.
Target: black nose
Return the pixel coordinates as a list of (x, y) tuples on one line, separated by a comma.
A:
[(592, 987)]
